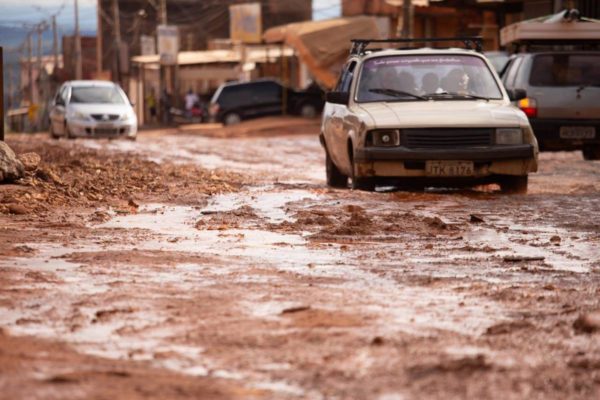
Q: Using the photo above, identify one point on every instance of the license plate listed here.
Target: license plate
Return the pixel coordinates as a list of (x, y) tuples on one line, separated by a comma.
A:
[(577, 132), (449, 168)]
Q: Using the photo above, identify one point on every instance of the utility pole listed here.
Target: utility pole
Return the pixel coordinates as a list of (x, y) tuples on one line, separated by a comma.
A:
[(30, 66), (117, 29), (1, 94), (78, 66), (163, 12), (40, 64), (407, 19), (162, 20), (99, 43), (10, 86), (55, 42)]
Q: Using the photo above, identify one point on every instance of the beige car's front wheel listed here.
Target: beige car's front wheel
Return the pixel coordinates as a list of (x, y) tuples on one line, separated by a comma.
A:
[(335, 178), (514, 184)]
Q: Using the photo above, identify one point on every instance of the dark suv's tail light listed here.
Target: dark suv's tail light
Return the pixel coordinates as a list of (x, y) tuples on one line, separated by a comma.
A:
[(528, 106)]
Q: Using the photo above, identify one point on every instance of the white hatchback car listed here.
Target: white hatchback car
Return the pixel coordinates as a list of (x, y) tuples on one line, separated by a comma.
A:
[(425, 117), (92, 109)]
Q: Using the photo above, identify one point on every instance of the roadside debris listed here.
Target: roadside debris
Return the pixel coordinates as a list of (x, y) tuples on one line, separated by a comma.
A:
[(30, 160), (555, 240), (292, 310), (52, 175), (11, 168), (476, 219), (523, 258), (588, 322)]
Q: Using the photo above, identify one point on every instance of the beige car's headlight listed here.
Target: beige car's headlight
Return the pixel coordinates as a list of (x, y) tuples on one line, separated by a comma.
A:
[(509, 136), (385, 137)]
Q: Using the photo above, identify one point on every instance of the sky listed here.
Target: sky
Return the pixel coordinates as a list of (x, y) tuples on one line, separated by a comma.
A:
[(33, 11), (14, 13)]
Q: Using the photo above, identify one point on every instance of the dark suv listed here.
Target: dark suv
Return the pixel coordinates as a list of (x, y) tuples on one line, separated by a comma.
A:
[(563, 98), (233, 102)]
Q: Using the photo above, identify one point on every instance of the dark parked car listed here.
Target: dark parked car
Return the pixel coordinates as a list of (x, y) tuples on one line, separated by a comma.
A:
[(563, 98), (237, 101)]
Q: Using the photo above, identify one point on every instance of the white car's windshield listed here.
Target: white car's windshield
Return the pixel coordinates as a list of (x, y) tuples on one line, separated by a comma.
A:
[(96, 95), (426, 77)]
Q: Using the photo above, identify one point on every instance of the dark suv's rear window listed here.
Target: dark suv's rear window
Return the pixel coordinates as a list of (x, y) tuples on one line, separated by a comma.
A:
[(565, 70)]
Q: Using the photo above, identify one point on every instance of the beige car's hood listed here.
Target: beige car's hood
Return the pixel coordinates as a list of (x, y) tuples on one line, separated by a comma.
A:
[(423, 114)]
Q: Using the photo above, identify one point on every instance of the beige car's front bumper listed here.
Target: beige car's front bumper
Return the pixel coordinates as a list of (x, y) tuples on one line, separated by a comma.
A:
[(403, 162)]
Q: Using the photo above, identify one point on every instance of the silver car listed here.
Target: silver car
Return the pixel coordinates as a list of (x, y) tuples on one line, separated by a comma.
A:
[(92, 109), (563, 98)]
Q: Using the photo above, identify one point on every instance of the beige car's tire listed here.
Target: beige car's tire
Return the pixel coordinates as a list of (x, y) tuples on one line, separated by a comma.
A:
[(335, 178), (514, 184)]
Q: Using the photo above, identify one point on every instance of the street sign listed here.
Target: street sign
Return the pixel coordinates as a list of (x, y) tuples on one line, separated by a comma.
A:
[(168, 44), (245, 23), (147, 45)]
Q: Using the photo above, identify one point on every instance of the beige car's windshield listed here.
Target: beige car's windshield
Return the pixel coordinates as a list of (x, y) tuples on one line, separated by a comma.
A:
[(426, 77)]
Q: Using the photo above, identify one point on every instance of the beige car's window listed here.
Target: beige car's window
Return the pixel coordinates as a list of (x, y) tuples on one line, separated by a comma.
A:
[(426, 77)]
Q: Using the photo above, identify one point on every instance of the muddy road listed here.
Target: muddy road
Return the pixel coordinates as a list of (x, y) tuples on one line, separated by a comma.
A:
[(223, 267)]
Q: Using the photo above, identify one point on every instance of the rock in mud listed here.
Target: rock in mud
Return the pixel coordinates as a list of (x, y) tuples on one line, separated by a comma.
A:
[(507, 327), (17, 209), (588, 322), (436, 222), (48, 176), (292, 310), (30, 161), (11, 168), (476, 219)]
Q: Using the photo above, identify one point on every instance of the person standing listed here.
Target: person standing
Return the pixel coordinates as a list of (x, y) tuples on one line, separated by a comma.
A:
[(191, 99), (151, 104), (165, 106)]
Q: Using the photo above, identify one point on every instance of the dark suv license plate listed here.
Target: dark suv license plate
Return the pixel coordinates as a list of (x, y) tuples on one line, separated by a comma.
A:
[(577, 132)]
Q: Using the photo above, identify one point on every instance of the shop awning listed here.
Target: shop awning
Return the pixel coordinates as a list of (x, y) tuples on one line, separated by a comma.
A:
[(323, 45)]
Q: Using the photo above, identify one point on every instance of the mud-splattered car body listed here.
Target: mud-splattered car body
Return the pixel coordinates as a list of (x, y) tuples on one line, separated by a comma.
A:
[(425, 116)]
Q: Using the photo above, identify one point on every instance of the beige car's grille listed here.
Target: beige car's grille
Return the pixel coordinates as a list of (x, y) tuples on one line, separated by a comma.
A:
[(446, 138)]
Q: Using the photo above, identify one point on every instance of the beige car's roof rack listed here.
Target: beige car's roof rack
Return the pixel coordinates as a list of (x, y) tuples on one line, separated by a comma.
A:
[(359, 46)]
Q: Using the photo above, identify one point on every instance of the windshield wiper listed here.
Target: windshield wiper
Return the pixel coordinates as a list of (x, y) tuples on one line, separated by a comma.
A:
[(396, 93), (456, 95)]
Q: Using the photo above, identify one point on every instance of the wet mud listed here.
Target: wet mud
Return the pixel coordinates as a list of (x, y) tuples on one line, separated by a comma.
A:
[(275, 286)]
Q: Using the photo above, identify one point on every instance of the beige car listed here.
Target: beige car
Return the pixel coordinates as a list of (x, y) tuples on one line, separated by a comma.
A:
[(425, 117)]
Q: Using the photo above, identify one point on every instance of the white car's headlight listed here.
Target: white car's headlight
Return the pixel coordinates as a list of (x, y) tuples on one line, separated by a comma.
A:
[(509, 136), (78, 115), (125, 117)]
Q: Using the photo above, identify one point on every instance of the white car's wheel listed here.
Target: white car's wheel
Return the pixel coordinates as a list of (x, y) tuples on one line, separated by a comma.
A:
[(308, 111), (67, 132), (53, 134), (232, 119)]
